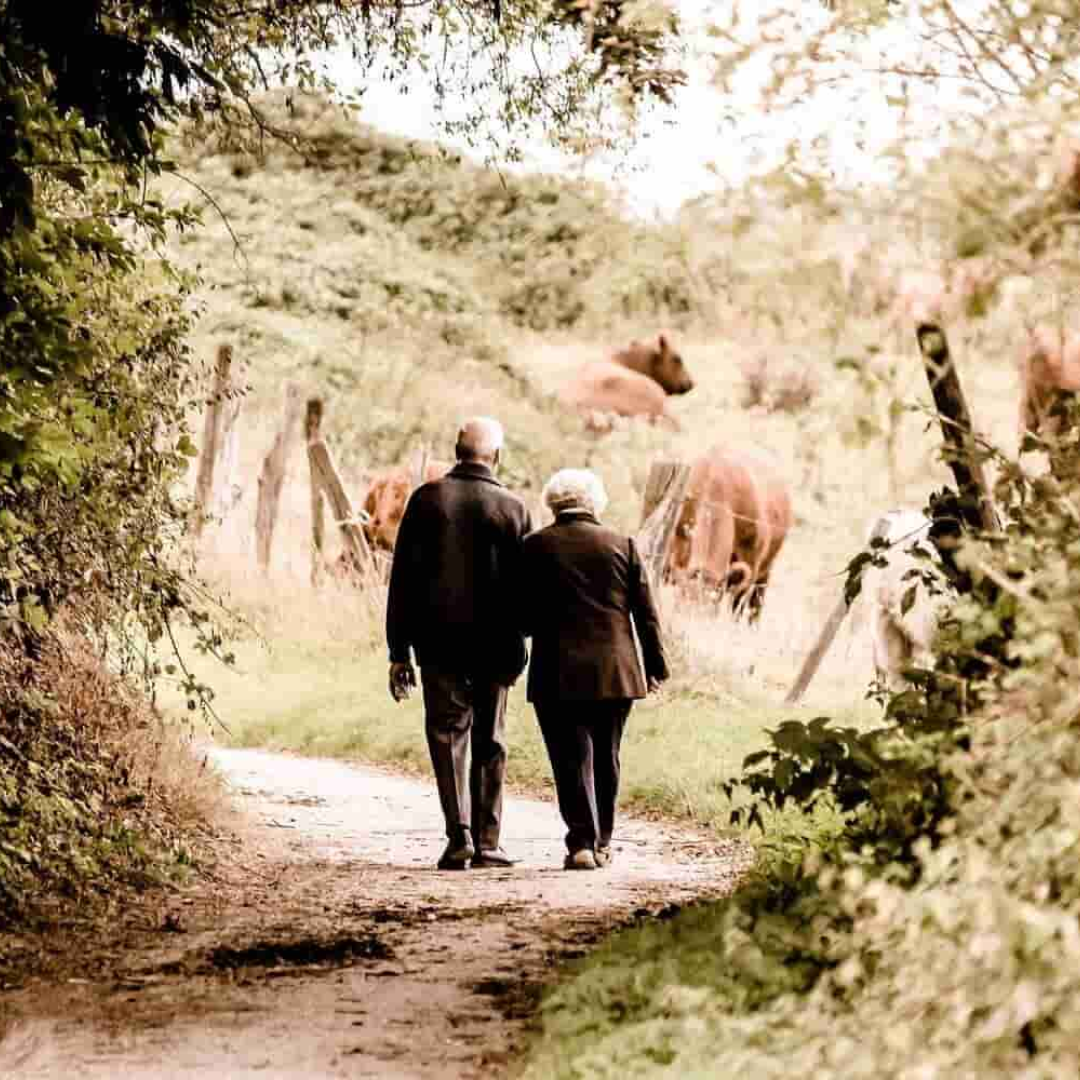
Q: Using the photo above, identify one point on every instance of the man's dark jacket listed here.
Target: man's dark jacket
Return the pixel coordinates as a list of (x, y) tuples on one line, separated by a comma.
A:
[(581, 583), (454, 561)]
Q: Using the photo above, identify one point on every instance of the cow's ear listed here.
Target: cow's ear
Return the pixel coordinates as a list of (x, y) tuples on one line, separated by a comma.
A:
[(663, 343)]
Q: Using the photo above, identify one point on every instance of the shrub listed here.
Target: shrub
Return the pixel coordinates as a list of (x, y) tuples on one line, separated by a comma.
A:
[(97, 792)]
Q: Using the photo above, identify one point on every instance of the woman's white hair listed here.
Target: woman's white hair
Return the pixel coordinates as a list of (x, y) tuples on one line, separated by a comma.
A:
[(575, 489)]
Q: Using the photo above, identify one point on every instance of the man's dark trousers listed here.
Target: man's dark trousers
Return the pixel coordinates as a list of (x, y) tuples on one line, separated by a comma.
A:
[(583, 740), (459, 710)]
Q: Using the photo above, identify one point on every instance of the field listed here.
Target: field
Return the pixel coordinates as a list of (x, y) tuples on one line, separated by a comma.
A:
[(362, 278)]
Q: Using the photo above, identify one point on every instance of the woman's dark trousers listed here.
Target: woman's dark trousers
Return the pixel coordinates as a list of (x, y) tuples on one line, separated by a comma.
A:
[(583, 740)]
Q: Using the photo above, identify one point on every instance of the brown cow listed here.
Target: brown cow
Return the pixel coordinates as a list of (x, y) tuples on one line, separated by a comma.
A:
[(385, 502), (636, 381), (731, 527), (660, 362), (1049, 366)]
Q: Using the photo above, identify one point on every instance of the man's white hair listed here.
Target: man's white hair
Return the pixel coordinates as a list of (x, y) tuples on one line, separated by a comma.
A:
[(479, 437), (575, 489)]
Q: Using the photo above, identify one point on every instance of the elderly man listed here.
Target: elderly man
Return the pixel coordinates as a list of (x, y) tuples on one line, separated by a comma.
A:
[(583, 592), (450, 603)]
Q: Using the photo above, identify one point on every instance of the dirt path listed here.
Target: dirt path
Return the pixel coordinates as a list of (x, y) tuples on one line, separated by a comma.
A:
[(330, 947)]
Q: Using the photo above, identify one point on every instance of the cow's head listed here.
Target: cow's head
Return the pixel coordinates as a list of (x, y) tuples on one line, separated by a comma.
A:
[(667, 368), (385, 506)]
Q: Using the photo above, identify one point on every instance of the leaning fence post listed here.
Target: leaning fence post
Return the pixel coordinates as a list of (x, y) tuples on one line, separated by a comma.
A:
[(272, 477), (419, 465), (828, 631), (213, 435), (665, 491), (326, 476), (312, 433)]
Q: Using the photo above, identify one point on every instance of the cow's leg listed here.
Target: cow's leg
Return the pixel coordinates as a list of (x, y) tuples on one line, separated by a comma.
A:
[(756, 599), (739, 585), (892, 649)]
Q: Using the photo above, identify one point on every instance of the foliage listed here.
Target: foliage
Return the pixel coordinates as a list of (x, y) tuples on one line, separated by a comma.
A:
[(935, 934), (96, 793), (413, 237)]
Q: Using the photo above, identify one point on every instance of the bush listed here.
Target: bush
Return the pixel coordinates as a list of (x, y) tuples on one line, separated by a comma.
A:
[(935, 934), (97, 792)]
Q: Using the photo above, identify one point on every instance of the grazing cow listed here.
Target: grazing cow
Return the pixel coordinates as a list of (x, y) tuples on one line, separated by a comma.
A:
[(936, 295), (1049, 367), (900, 639), (636, 381), (385, 502), (731, 527)]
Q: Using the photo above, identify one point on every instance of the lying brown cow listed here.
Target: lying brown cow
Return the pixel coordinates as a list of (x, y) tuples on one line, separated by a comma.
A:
[(635, 381), (1049, 366), (731, 527)]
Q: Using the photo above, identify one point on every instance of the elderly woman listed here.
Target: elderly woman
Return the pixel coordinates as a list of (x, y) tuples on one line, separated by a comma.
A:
[(583, 591)]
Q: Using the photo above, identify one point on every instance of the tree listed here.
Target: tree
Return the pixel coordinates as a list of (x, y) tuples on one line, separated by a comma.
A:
[(952, 128), (97, 381)]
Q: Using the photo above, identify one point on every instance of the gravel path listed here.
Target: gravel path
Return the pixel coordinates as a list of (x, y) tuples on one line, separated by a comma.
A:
[(327, 945)]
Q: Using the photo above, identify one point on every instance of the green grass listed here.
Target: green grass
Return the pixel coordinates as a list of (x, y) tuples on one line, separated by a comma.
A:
[(332, 701)]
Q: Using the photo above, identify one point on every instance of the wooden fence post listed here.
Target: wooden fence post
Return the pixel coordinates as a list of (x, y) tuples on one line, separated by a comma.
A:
[(665, 491), (326, 476), (828, 631), (312, 433), (419, 465), (977, 505), (272, 477), (218, 424)]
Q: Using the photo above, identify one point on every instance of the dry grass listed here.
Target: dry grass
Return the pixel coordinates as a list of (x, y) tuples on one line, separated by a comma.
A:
[(150, 755)]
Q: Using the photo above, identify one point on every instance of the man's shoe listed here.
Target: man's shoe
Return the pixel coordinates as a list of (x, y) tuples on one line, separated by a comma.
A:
[(583, 859), (493, 857), (458, 855), (603, 856)]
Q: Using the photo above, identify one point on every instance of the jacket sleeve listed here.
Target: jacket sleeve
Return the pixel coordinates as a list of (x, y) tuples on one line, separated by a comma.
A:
[(403, 580), (524, 601), (518, 580), (646, 619)]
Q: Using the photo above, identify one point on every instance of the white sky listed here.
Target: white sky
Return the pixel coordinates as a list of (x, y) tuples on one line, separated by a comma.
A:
[(731, 134)]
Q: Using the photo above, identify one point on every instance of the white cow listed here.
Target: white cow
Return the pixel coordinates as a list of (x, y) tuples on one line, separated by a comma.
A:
[(900, 639)]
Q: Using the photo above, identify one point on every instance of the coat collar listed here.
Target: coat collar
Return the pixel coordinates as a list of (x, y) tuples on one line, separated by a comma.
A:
[(570, 517), (473, 470)]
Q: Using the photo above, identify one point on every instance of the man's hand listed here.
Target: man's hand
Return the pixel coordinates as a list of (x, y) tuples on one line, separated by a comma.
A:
[(653, 684), (402, 680)]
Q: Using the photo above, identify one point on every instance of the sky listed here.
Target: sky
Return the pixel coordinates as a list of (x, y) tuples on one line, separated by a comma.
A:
[(711, 138)]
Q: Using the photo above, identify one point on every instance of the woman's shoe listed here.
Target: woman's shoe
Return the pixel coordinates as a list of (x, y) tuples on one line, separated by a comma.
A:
[(582, 859)]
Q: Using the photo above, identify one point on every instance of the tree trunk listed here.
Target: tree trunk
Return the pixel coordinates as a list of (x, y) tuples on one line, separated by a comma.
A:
[(976, 503)]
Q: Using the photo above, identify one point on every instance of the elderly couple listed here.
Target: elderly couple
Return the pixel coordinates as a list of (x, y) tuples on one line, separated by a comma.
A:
[(470, 580)]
